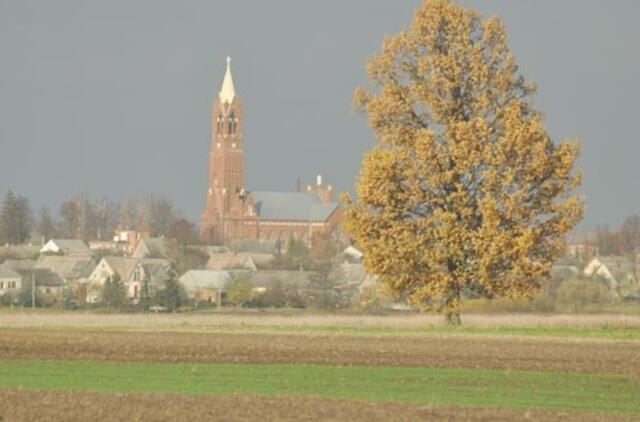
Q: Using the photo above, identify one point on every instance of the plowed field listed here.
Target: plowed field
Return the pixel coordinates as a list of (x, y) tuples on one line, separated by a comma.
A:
[(289, 373)]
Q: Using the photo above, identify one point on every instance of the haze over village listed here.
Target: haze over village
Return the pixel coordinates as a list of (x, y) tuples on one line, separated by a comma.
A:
[(369, 210)]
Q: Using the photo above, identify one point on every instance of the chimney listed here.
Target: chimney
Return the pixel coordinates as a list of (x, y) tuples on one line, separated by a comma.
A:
[(298, 185), (319, 180)]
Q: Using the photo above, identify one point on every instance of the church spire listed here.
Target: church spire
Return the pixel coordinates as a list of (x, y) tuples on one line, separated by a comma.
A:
[(227, 92)]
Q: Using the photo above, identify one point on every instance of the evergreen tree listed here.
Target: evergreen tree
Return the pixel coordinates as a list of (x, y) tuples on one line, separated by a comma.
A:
[(145, 294), (15, 219), (171, 296), (114, 294), (46, 225)]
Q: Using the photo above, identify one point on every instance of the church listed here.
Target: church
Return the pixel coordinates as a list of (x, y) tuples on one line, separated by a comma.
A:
[(235, 213)]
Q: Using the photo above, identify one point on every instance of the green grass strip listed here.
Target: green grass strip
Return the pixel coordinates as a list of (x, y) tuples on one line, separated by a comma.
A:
[(600, 333), (591, 393)]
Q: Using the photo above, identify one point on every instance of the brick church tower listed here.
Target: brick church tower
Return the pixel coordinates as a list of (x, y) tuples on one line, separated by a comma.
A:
[(230, 213)]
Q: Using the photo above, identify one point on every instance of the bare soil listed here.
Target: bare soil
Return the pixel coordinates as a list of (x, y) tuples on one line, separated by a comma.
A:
[(17, 405), (530, 354)]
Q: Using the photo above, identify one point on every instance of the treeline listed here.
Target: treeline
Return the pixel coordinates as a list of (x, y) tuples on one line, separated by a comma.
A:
[(83, 217), (623, 241)]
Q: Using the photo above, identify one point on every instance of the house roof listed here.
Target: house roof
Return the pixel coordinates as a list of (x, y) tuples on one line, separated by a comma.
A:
[(155, 247), (292, 206), (158, 269), (42, 277), (194, 280), (230, 261), (68, 267), (71, 246), (123, 267), (7, 273), (261, 246), (296, 278), (15, 264)]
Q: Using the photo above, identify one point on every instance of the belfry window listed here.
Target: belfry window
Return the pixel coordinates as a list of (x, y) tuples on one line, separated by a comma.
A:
[(232, 123), (219, 123)]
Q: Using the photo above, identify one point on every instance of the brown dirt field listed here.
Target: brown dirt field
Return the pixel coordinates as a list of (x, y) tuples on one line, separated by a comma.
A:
[(20, 405), (408, 351)]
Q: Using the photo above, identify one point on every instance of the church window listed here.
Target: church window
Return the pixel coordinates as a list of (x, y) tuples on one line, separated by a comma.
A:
[(232, 123), (219, 123)]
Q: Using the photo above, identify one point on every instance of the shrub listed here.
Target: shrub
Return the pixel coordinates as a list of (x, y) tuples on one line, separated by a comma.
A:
[(574, 295)]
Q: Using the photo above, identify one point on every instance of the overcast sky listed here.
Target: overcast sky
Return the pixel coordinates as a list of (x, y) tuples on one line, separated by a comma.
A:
[(114, 97)]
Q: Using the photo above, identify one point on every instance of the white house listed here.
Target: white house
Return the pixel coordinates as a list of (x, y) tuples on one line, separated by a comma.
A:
[(10, 282), (352, 253), (606, 268), (70, 247)]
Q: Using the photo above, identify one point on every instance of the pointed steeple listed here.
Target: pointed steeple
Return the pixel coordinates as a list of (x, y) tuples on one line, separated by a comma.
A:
[(227, 92)]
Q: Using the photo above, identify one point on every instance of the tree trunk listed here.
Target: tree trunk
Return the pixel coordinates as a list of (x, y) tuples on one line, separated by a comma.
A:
[(453, 318)]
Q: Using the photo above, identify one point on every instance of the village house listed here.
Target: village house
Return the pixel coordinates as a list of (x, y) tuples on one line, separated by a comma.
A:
[(132, 272), (127, 240), (68, 247), (48, 283), (206, 285), (10, 282), (73, 270), (156, 247), (231, 261)]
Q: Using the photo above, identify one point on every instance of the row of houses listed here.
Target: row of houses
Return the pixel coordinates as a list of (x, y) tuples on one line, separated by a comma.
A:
[(70, 264)]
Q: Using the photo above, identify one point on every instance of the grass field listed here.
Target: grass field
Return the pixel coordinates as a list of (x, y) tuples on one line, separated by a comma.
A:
[(322, 367)]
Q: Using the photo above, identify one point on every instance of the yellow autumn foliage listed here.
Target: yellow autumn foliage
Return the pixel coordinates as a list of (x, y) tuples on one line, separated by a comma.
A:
[(465, 193)]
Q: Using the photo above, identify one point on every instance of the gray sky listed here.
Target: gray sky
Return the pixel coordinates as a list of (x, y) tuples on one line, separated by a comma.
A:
[(114, 97)]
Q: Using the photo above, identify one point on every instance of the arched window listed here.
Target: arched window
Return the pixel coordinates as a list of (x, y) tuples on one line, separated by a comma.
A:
[(219, 123), (232, 123)]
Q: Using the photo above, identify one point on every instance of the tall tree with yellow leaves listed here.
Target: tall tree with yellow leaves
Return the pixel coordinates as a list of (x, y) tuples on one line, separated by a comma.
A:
[(465, 193)]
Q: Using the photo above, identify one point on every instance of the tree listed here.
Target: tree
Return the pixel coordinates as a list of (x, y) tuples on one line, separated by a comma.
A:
[(114, 294), (184, 231), (128, 213), (324, 246), (157, 216), (69, 219), (171, 296), (239, 292), (630, 234), (465, 192), (46, 225), (145, 294), (15, 219), (106, 219), (296, 249)]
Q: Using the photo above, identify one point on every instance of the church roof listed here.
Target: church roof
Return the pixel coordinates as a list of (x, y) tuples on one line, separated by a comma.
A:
[(292, 206), (227, 91)]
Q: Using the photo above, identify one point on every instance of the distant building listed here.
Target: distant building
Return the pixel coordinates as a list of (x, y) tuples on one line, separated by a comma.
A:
[(71, 269), (127, 240), (69, 247), (10, 281), (206, 285), (132, 272), (48, 283), (156, 247), (233, 213), (231, 261)]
